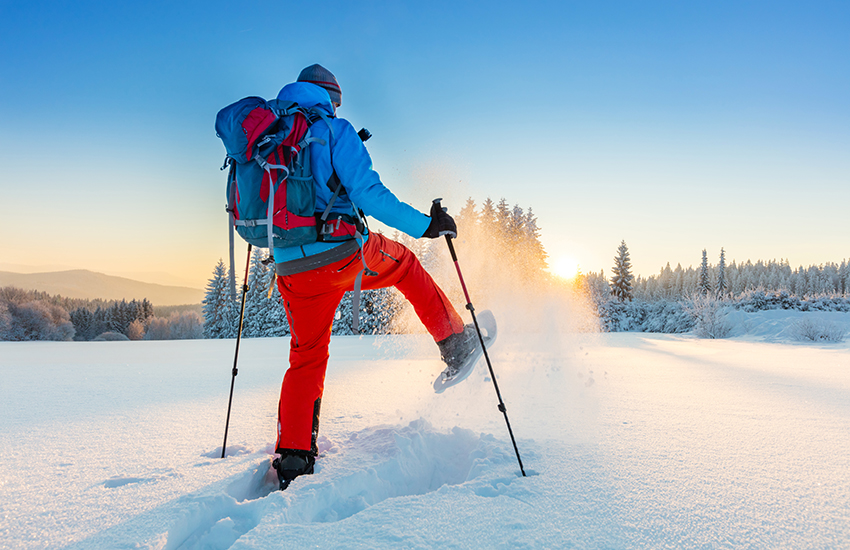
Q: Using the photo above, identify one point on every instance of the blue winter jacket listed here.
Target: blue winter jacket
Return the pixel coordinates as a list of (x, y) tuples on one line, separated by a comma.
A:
[(353, 167)]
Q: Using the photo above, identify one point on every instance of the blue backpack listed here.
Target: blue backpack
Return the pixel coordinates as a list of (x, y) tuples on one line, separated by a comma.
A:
[(268, 154), (271, 192)]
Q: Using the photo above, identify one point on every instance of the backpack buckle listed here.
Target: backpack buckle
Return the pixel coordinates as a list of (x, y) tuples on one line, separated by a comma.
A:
[(329, 227)]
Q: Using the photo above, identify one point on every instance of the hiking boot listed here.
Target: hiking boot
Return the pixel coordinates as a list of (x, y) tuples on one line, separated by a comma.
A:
[(290, 466), (457, 348)]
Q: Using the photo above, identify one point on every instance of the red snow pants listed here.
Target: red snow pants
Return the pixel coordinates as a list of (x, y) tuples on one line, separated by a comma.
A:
[(311, 299)]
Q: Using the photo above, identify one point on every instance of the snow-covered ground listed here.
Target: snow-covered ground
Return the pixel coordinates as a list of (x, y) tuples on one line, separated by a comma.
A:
[(630, 441)]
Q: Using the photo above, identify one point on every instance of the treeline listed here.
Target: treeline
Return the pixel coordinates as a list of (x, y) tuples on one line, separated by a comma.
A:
[(829, 279), (680, 300), (34, 315)]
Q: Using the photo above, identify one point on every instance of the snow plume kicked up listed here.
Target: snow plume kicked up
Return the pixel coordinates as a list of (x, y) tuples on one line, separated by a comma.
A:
[(504, 267)]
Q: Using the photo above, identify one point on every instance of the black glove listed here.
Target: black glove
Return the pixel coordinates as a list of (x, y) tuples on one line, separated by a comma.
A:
[(441, 223)]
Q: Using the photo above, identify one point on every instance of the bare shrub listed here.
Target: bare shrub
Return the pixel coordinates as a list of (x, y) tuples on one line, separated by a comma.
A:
[(177, 326), (816, 330), (186, 326)]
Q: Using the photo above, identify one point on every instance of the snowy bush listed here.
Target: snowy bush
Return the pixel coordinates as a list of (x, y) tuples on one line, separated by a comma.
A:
[(178, 326), (708, 316), (813, 330), (661, 316), (36, 320), (642, 316), (136, 330), (186, 326), (759, 300), (158, 329), (111, 337), (5, 319)]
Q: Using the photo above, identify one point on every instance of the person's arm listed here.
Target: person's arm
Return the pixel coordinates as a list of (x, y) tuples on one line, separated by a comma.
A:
[(353, 166)]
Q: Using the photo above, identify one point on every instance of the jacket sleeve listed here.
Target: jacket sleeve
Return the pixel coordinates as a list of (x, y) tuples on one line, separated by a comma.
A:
[(353, 165)]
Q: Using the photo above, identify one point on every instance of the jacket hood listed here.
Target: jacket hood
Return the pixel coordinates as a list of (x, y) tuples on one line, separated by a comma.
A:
[(307, 95)]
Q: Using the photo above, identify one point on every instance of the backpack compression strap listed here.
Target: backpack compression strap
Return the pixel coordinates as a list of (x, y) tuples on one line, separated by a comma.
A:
[(268, 167), (231, 204)]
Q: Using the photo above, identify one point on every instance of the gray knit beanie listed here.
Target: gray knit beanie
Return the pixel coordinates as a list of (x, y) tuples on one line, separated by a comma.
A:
[(320, 76)]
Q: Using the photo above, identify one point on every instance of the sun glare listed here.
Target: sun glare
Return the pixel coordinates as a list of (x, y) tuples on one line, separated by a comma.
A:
[(565, 267)]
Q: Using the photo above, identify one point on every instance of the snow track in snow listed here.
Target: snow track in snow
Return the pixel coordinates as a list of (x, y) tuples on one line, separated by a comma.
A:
[(371, 466)]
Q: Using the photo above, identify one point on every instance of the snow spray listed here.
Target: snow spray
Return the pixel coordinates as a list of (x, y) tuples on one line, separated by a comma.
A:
[(471, 309)]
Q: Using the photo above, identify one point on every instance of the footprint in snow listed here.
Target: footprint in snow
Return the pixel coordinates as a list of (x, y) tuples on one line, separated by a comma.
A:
[(371, 466)]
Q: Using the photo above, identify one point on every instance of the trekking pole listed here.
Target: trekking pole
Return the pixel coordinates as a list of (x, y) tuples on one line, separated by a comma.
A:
[(471, 309), (236, 356)]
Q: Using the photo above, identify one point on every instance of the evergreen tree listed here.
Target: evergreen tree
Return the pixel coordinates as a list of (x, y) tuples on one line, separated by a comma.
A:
[(722, 285), (219, 310), (276, 322), (343, 316), (466, 219), (503, 214), (377, 309), (147, 310), (82, 319), (704, 283), (256, 301), (516, 224), (666, 281), (538, 258), (100, 322), (5, 320), (487, 217), (621, 281), (678, 281)]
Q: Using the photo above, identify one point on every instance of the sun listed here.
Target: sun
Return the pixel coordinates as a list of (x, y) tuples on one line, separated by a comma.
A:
[(565, 267)]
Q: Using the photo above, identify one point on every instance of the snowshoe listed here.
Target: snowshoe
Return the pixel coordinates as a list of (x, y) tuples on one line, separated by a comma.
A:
[(289, 467), (461, 351)]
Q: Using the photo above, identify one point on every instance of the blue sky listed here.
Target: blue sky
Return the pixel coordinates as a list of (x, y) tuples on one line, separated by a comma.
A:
[(675, 126)]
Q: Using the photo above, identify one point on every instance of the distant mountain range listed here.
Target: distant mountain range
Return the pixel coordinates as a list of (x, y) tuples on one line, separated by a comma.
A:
[(81, 283)]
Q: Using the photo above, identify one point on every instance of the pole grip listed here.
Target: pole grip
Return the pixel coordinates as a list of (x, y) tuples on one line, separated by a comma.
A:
[(448, 238)]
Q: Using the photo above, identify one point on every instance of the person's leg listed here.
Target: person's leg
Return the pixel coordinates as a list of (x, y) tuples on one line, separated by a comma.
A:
[(397, 266), (310, 320), (311, 299)]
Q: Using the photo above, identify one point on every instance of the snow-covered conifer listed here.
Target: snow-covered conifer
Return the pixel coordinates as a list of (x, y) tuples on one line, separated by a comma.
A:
[(537, 257), (218, 308), (621, 280), (343, 316), (503, 215), (256, 301), (487, 218), (704, 283), (466, 219), (277, 324), (678, 281), (722, 285)]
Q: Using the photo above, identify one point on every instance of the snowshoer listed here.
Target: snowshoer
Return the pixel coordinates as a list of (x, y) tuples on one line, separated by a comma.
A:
[(313, 278)]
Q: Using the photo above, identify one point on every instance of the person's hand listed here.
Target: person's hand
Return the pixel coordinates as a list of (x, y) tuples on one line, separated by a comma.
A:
[(441, 223)]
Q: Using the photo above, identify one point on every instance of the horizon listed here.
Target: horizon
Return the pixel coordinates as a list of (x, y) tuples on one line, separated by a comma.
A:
[(156, 278), (676, 128)]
